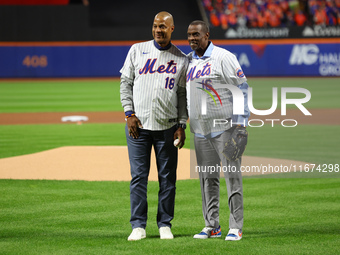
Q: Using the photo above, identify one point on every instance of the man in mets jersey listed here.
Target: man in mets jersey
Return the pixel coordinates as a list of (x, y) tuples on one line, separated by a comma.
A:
[(153, 95), (210, 72)]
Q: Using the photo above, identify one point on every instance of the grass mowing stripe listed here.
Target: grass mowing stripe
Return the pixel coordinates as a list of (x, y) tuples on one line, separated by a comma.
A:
[(282, 216), (25, 139), (324, 91), (104, 95), (60, 96), (310, 143)]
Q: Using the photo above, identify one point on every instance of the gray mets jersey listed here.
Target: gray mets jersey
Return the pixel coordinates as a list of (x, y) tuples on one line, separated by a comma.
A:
[(209, 99), (153, 85)]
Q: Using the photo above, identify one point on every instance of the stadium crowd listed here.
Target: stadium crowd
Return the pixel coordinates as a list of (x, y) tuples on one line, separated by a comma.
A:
[(272, 13)]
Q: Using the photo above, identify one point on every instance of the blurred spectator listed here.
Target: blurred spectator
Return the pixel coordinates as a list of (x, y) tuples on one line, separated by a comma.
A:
[(299, 18), (224, 21), (207, 5), (273, 19), (232, 19), (320, 16), (331, 11), (252, 13), (272, 13), (262, 20), (214, 20), (241, 20), (290, 19)]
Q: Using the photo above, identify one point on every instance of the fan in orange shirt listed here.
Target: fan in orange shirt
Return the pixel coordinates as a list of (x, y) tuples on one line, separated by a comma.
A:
[(273, 20), (261, 19), (214, 19), (320, 17), (300, 18)]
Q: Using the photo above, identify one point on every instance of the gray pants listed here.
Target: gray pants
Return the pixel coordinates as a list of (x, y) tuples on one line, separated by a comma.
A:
[(208, 153)]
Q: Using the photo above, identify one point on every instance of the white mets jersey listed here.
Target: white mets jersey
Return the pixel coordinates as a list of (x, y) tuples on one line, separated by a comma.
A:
[(208, 97), (153, 85)]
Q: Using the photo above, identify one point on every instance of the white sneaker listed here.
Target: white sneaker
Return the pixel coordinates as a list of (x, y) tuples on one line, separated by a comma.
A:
[(209, 232), (165, 233), (234, 234), (137, 234)]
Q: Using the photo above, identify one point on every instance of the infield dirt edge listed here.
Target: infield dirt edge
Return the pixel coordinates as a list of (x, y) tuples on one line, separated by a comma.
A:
[(104, 163)]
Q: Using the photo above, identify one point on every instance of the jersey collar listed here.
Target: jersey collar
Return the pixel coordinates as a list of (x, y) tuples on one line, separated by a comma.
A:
[(162, 48), (207, 53)]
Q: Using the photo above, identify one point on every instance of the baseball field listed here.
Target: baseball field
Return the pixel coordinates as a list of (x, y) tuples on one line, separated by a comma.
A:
[(64, 186)]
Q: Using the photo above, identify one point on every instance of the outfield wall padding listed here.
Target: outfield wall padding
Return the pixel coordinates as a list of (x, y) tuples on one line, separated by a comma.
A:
[(39, 60)]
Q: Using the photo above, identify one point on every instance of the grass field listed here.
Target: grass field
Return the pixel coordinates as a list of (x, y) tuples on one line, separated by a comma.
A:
[(312, 143), (282, 216), (278, 142), (103, 95)]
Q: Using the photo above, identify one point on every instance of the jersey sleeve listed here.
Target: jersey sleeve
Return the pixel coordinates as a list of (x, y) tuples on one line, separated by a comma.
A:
[(243, 119), (126, 95), (181, 96), (231, 70), (128, 69), (126, 81)]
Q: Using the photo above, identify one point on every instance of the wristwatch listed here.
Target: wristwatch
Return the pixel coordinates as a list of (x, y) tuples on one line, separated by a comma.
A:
[(184, 126)]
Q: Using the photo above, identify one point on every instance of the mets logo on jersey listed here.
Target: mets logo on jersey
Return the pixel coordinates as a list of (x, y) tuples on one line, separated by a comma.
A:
[(150, 68), (200, 73), (206, 84), (239, 73)]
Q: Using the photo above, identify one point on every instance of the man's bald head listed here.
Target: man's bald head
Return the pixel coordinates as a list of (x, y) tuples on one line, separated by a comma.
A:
[(166, 16), (163, 26)]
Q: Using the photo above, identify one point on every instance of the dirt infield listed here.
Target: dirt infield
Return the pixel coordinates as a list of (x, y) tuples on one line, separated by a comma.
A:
[(319, 116), (107, 163), (110, 163)]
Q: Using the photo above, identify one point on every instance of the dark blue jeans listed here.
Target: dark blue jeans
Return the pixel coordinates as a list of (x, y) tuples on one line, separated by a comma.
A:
[(166, 160)]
